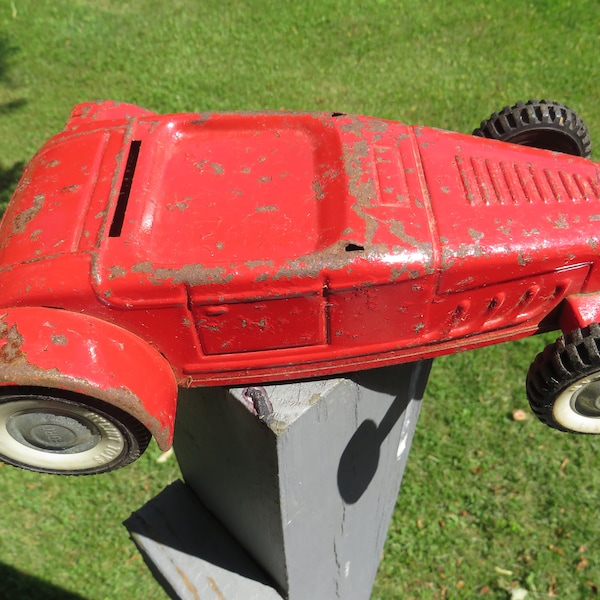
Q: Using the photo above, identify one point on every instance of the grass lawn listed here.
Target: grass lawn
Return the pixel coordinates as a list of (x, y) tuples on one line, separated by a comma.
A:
[(490, 505)]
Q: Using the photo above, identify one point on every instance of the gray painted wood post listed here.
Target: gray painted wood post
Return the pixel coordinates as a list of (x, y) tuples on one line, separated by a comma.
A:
[(307, 490)]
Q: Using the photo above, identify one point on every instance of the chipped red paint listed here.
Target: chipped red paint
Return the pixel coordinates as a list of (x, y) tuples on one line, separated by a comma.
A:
[(50, 348), (251, 247)]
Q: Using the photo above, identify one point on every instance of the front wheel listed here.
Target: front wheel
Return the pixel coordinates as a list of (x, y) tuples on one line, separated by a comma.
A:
[(60, 433), (540, 124), (563, 384)]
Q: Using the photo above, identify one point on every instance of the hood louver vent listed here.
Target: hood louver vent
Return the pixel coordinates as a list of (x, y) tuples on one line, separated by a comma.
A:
[(488, 182), (119, 217)]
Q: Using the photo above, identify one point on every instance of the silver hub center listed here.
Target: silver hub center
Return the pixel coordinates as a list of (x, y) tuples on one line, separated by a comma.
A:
[(586, 401), (53, 431)]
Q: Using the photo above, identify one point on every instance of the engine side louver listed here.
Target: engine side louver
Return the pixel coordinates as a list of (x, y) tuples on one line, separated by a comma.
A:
[(489, 182)]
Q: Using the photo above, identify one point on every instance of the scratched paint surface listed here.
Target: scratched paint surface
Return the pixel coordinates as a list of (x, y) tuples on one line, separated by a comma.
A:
[(50, 348), (248, 247)]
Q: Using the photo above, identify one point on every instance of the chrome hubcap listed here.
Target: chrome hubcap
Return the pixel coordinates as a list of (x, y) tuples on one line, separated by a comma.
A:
[(53, 431), (586, 400), (52, 435)]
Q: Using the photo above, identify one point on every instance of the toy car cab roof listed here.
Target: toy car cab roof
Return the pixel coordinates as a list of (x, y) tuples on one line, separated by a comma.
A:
[(234, 186)]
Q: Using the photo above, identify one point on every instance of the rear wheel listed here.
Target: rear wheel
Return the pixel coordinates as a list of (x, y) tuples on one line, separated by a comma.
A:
[(563, 384), (541, 124), (55, 432)]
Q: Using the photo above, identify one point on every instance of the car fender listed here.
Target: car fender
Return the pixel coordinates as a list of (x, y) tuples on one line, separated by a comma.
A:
[(579, 311), (60, 349)]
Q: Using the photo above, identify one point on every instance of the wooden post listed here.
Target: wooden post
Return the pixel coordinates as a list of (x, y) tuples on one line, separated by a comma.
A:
[(307, 489)]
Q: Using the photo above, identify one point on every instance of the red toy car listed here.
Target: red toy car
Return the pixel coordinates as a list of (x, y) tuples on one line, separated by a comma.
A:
[(141, 252)]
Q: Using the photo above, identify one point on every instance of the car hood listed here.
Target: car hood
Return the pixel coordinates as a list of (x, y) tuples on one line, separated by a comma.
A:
[(49, 213)]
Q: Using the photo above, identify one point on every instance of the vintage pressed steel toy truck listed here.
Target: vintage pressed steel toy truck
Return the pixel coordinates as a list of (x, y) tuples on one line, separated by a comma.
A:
[(143, 252)]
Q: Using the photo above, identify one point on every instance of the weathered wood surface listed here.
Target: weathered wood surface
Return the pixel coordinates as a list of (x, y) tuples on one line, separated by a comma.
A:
[(191, 554), (308, 490)]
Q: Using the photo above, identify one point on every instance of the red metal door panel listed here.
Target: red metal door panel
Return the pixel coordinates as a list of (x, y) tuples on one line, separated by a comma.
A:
[(261, 325)]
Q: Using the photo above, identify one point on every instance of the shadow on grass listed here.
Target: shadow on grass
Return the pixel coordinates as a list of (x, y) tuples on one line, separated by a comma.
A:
[(9, 177), (7, 51), (7, 54), (14, 584), (180, 539)]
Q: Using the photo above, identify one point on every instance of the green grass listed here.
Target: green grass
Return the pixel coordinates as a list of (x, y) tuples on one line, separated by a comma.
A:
[(488, 503), (68, 533)]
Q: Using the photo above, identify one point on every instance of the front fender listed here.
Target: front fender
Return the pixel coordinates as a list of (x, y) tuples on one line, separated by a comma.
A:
[(52, 348), (579, 311)]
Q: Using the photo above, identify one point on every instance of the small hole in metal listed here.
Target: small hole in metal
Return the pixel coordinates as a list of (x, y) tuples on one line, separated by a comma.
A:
[(354, 248)]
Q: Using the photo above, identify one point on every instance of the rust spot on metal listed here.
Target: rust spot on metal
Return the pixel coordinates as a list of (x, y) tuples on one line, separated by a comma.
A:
[(200, 121), (561, 222), (318, 190), (192, 274), (59, 340), (397, 229), (116, 272), (254, 264), (178, 206), (142, 267), (23, 218), (475, 235), (398, 273), (11, 351)]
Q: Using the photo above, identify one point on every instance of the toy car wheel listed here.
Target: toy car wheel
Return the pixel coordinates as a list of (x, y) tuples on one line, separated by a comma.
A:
[(563, 384), (56, 433), (541, 124)]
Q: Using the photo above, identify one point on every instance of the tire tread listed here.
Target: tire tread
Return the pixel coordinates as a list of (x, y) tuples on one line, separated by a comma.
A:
[(537, 114), (570, 357)]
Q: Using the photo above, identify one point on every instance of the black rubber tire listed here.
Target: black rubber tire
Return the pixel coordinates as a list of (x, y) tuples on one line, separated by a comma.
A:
[(53, 431), (541, 124), (563, 383)]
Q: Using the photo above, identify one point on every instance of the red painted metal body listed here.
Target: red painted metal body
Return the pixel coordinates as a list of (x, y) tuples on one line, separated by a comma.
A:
[(247, 247)]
